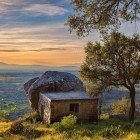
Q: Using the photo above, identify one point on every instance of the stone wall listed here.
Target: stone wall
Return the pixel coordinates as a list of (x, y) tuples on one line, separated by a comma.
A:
[(46, 104), (55, 110), (88, 111)]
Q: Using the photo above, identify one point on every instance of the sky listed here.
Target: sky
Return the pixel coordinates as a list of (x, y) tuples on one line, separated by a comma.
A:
[(34, 32)]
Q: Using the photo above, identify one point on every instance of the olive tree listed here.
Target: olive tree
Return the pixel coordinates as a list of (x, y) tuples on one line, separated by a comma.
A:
[(116, 62), (102, 14)]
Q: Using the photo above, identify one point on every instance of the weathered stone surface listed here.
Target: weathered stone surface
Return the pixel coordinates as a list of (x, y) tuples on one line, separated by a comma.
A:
[(51, 81), (57, 109), (29, 83)]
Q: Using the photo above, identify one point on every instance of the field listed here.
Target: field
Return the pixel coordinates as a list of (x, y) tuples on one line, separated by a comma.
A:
[(14, 102), (14, 105), (105, 129)]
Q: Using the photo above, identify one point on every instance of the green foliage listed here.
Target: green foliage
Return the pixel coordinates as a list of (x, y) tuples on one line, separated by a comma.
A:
[(5, 108), (107, 129), (31, 133), (128, 127), (16, 128), (23, 131), (120, 107), (93, 89), (32, 116), (114, 63), (101, 14), (67, 123), (58, 126), (112, 132), (111, 122)]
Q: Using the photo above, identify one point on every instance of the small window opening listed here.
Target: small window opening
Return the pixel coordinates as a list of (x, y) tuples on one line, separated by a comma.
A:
[(74, 107)]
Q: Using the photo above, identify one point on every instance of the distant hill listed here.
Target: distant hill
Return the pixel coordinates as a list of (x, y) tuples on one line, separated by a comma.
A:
[(14, 67)]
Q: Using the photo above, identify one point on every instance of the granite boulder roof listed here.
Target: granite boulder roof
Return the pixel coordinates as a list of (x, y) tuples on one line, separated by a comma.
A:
[(51, 81)]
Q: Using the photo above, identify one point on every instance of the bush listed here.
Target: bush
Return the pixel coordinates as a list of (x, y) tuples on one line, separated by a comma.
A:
[(120, 107), (112, 132), (32, 117), (127, 126), (136, 123), (16, 128), (58, 126), (31, 133), (67, 123), (111, 122)]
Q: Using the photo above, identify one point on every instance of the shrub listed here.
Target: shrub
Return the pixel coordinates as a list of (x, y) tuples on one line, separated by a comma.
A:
[(31, 133), (120, 107), (104, 116), (58, 126), (111, 122), (69, 121), (16, 128), (136, 123), (127, 126), (32, 117), (112, 132), (46, 124)]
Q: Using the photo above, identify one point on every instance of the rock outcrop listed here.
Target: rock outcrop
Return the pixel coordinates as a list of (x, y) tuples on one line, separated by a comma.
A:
[(29, 83), (51, 81)]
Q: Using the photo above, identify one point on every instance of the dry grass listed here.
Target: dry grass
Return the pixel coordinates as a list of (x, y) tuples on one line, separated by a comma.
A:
[(80, 132), (4, 126)]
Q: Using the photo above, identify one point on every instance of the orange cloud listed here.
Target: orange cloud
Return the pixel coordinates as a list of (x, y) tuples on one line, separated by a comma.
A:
[(52, 58), (49, 44)]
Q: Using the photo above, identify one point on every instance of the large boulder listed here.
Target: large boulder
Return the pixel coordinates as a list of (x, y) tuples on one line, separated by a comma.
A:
[(51, 81), (28, 84)]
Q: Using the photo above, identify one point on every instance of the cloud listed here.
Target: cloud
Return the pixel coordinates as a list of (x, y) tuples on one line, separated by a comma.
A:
[(9, 50), (51, 49), (56, 49), (44, 9), (26, 38), (35, 37), (40, 50), (6, 2), (7, 5)]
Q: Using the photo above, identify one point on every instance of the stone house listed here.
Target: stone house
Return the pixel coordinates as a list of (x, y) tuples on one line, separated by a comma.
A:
[(56, 94), (53, 106)]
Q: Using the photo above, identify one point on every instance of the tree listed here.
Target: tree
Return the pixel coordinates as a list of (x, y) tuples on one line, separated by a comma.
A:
[(102, 14), (115, 63), (120, 107)]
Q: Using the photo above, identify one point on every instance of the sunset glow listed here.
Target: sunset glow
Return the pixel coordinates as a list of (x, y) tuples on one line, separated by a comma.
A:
[(34, 32)]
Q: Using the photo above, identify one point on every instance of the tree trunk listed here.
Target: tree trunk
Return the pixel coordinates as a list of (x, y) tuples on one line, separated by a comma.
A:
[(132, 106)]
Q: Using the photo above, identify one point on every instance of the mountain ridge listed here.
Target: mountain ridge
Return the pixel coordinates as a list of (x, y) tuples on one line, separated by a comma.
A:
[(5, 66)]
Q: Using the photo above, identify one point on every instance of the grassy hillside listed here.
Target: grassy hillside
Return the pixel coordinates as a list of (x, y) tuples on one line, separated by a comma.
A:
[(107, 129)]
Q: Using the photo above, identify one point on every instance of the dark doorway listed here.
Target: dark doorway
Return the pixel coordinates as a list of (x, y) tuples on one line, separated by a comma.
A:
[(74, 108)]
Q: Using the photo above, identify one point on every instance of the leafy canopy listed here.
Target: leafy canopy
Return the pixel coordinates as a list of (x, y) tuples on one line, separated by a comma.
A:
[(121, 106), (114, 63), (101, 14)]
